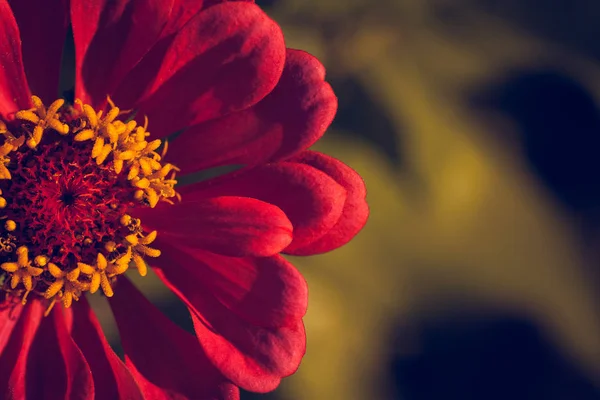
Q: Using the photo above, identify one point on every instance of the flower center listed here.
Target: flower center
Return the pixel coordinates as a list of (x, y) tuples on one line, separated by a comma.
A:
[(68, 178)]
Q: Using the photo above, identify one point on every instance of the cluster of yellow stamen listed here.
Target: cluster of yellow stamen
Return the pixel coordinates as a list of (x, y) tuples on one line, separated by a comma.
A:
[(132, 154), (42, 119), (23, 271), (69, 286), (127, 142), (11, 143), (138, 243)]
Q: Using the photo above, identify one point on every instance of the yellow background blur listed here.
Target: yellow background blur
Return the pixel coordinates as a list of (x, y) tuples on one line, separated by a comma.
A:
[(469, 249)]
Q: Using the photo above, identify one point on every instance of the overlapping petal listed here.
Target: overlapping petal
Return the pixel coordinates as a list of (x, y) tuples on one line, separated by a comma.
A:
[(183, 11), (290, 119), (15, 349), (235, 226), (355, 212), (111, 37), (166, 361), (112, 379), (9, 316), (225, 59), (247, 312), (54, 350), (311, 199), (14, 91), (144, 74), (43, 25)]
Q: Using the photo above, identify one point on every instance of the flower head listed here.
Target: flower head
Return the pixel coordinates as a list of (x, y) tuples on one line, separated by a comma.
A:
[(89, 191), (70, 177)]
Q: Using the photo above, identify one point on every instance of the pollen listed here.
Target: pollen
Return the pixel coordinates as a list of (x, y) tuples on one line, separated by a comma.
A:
[(70, 176)]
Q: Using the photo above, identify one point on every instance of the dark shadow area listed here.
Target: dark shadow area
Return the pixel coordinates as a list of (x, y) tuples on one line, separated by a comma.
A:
[(485, 357), (569, 23), (266, 3), (255, 396), (559, 129), (360, 114)]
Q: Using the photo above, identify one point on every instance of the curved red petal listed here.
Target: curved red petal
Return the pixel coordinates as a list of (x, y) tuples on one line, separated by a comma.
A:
[(222, 391), (13, 360), (54, 350), (43, 25), (290, 119), (9, 316), (242, 369), (111, 37), (224, 59), (145, 73), (247, 311), (311, 199), (165, 360), (356, 210), (264, 291), (184, 10), (14, 91), (234, 226), (112, 379)]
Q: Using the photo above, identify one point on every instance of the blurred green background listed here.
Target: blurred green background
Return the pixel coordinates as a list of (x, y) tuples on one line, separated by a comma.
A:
[(475, 125)]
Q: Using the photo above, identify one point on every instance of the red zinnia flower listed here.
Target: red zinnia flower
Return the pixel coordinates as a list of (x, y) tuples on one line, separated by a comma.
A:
[(87, 193)]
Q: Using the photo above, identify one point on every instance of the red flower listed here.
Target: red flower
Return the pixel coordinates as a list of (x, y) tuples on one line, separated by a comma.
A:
[(87, 195)]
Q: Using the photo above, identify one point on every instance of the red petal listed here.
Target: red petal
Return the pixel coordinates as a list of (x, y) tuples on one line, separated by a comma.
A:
[(290, 119), (234, 226), (224, 59), (14, 92), (111, 37), (285, 347), (221, 391), (144, 74), (267, 292), (165, 360), (356, 210), (54, 350), (8, 319), (312, 201), (112, 379), (184, 10), (247, 312), (43, 25), (14, 357)]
